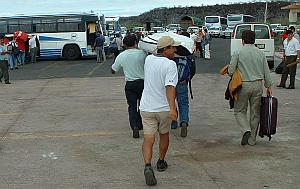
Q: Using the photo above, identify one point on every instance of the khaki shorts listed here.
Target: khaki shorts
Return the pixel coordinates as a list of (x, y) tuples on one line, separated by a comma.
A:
[(156, 121)]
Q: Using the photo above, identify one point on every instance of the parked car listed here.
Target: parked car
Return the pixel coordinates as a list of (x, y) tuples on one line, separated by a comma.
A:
[(279, 30), (194, 29), (273, 26), (173, 28), (157, 29), (215, 31), (227, 33), (263, 41)]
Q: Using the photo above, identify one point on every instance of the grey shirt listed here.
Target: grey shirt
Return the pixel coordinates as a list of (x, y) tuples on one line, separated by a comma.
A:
[(252, 64), (132, 61)]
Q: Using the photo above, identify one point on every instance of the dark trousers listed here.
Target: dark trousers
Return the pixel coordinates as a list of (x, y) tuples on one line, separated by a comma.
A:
[(4, 70), (116, 53), (291, 70), (133, 91), (199, 47)]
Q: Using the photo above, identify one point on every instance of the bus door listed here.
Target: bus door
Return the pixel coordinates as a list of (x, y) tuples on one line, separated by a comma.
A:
[(91, 35)]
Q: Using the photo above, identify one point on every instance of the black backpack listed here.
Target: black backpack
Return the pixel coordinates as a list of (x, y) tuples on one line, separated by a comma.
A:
[(15, 50)]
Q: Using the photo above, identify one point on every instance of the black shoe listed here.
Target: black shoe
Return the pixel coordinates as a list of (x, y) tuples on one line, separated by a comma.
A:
[(183, 132), (11, 68), (7, 82), (290, 87), (136, 133), (16, 68), (245, 138), (149, 176), (161, 165), (281, 86)]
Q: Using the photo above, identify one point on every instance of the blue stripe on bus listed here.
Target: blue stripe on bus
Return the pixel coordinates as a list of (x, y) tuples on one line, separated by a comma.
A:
[(46, 38)]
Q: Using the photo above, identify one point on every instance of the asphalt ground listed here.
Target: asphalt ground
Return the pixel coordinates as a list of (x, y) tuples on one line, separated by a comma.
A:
[(89, 68), (67, 128)]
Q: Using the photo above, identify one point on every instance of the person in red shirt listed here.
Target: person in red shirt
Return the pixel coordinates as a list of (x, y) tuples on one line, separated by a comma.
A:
[(284, 35), (21, 46)]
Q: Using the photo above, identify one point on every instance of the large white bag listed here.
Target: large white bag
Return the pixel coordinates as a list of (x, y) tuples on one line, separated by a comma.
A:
[(149, 43)]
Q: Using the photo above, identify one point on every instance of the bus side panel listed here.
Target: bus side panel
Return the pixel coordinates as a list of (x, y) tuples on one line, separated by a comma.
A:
[(52, 44)]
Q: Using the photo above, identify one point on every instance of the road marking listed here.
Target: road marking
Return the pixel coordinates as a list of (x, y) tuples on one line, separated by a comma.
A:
[(9, 114), (96, 68), (50, 135)]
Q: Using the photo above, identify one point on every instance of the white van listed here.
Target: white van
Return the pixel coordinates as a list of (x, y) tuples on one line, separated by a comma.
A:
[(263, 39)]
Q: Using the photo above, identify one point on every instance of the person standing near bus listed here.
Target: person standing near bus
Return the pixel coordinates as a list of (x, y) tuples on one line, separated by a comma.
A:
[(3, 61), (21, 46), (33, 48), (99, 47)]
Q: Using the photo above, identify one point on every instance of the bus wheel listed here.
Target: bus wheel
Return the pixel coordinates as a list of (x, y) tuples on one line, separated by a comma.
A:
[(71, 52)]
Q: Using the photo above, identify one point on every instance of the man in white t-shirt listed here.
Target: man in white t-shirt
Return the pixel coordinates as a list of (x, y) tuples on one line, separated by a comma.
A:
[(132, 61), (33, 48), (158, 107), (291, 48)]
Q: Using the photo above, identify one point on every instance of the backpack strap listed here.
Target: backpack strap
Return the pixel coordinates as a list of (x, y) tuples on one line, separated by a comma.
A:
[(190, 87)]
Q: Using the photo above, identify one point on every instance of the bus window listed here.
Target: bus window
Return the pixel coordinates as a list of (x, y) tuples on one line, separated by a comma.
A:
[(3, 27), (212, 20), (67, 27), (25, 25)]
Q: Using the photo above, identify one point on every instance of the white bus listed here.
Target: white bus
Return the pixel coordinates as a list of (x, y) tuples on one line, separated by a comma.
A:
[(112, 25), (234, 19), (61, 35), (216, 22), (173, 27)]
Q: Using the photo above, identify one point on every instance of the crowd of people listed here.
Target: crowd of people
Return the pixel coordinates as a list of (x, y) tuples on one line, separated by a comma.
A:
[(17, 52), (155, 82)]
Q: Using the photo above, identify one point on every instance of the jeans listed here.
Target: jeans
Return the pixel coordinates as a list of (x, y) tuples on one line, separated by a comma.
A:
[(21, 57), (182, 99), (12, 60), (133, 91), (100, 54)]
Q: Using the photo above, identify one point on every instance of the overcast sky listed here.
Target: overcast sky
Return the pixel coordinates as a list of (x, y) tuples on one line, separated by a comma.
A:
[(106, 7)]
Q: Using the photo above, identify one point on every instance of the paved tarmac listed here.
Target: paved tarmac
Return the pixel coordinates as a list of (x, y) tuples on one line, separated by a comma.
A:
[(74, 133), (64, 124)]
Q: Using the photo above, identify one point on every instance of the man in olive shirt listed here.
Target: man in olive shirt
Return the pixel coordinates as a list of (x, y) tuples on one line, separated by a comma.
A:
[(253, 67)]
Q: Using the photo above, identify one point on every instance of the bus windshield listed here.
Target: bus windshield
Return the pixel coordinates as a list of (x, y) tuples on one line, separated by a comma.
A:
[(212, 20), (234, 18)]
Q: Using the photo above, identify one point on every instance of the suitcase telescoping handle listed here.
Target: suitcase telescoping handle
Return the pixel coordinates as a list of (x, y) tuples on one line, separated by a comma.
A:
[(270, 116)]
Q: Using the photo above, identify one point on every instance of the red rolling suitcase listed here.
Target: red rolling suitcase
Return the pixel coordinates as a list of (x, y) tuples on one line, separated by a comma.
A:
[(268, 116)]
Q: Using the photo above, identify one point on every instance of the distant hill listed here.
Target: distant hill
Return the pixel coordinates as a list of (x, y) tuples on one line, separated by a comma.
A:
[(166, 15)]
